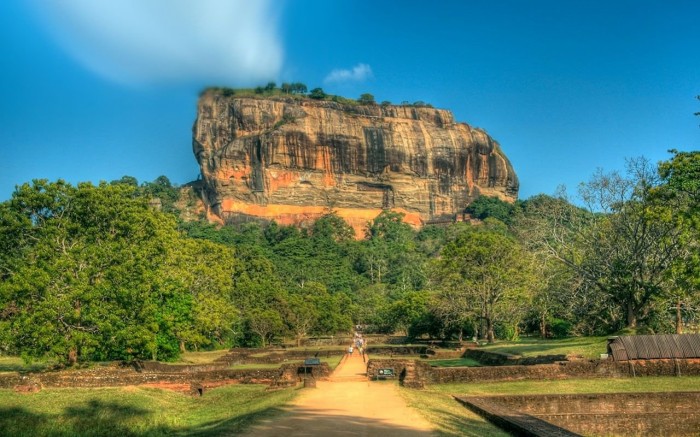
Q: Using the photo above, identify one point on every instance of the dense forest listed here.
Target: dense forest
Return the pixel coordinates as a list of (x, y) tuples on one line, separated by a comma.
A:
[(113, 271)]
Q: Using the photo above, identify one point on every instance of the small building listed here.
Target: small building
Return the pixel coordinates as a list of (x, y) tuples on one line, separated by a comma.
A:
[(654, 347)]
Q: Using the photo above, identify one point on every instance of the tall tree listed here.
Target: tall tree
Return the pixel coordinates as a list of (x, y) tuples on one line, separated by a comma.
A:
[(622, 249), (680, 192), (99, 274), (492, 275)]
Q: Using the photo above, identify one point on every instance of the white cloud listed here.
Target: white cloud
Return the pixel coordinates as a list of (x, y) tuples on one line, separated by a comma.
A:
[(359, 73), (225, 42)]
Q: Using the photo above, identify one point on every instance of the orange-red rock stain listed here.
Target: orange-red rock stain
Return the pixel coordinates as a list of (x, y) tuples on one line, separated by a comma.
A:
[(286, 215)]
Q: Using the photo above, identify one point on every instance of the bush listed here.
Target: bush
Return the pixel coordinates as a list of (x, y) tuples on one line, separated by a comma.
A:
[(317, 93), (366, 99), (560, 328)]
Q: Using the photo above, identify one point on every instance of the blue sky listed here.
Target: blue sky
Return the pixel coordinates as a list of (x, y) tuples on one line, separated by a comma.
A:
[(94, 90)]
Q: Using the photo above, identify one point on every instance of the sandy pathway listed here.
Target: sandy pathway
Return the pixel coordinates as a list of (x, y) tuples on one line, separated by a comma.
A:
[(347, 405)]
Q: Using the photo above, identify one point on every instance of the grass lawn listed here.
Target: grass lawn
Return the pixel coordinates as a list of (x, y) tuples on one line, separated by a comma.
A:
[(209, 357), (206, 357), (587, 347), (455, 362), (16, 364), (574, 386), (333, 360), (452, 419), (131, 411), (448, 416)]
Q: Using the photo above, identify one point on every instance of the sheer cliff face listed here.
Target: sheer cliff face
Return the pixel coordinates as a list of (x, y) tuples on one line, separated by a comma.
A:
[(295, 160)]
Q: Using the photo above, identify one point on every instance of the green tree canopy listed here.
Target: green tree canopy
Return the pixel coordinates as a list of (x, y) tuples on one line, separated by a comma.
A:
[(366, 99), (317, 93), (486, 276)]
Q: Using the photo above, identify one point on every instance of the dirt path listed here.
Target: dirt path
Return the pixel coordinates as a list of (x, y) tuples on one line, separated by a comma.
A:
[(347, 405)]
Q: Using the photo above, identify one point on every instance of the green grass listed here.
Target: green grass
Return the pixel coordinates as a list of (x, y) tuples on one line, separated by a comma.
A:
[(587, 347), (137, 411), (16, 364), (207, 357), (448, 416), (333, 360), (456, 362), (573, 386)]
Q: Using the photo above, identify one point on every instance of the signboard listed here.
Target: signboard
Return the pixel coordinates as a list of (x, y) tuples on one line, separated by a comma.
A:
[(385, 372), (312, 362)]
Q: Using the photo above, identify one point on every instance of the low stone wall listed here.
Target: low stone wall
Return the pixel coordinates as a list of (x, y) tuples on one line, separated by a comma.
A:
[(326, 341), (12, 379), (116, 376), (293, 373), (158, 367), (411, 373), (512, 421), (629, 403), (620, 414), (121, 377), (445, 354), (567, 369), (415, 350), (490, 358), (164, 375)]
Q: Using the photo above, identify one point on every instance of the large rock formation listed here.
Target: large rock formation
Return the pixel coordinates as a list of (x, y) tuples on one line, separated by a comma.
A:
[(294, 159)]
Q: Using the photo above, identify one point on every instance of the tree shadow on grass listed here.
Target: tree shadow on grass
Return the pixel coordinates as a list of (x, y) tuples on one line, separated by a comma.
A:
[(97, 418), (19, 422), (102, 418), (309, 421), (454, 425), (231, 426), (108, 419)]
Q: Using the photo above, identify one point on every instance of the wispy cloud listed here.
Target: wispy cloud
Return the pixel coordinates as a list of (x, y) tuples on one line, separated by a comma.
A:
[(147, 41), (358, 73)]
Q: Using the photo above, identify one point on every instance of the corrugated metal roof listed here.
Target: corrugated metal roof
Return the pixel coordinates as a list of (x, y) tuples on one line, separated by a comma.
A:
[(649, 347)]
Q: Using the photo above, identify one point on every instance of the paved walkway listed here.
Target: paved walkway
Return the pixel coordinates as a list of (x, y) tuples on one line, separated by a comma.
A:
[(347, 405)]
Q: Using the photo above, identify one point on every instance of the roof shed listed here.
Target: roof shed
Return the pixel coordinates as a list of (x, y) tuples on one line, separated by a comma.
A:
[(650, 347)]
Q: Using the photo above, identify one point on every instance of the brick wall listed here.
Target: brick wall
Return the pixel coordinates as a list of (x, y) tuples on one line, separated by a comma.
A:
[(489, 358), (620, 414), (568, 369)]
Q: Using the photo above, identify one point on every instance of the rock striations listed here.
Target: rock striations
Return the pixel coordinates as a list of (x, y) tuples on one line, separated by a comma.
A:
[(293, 160)]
